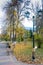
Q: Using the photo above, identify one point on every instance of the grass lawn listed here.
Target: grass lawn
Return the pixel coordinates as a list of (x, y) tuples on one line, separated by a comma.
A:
[(23, 52), (40, 52)]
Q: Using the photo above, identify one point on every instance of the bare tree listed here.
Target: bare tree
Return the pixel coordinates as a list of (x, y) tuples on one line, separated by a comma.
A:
[(12, 8)]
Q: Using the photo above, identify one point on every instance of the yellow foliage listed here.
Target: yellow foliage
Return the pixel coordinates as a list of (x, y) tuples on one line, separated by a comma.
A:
[(21, 47), (15, 13)]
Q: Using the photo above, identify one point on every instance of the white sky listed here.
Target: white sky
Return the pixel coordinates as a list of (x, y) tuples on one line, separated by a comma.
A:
[(2, 2), (25, 22)]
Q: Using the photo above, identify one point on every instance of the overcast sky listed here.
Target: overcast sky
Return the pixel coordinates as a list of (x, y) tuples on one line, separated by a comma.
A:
[(25, 22)]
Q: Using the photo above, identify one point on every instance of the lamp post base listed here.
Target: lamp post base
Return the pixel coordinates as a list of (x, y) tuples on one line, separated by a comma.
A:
[(33, 54)]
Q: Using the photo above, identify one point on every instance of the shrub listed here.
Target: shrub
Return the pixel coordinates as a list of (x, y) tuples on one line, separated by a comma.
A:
[(39, 40)]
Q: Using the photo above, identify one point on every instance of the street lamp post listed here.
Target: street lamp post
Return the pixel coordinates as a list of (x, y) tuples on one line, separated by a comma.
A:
[(33, 33), (33, 50)]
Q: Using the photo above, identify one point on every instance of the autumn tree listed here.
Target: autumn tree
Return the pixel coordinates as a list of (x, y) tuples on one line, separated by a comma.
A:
[(12, 13)]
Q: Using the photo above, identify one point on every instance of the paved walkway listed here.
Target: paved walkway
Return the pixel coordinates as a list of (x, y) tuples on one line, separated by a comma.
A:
[(6, 59)]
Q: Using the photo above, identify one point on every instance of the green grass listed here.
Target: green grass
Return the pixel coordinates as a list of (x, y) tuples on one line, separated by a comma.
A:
[(39, 52)]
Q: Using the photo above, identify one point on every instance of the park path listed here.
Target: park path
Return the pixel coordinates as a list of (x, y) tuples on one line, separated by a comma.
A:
[(6, 59)]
